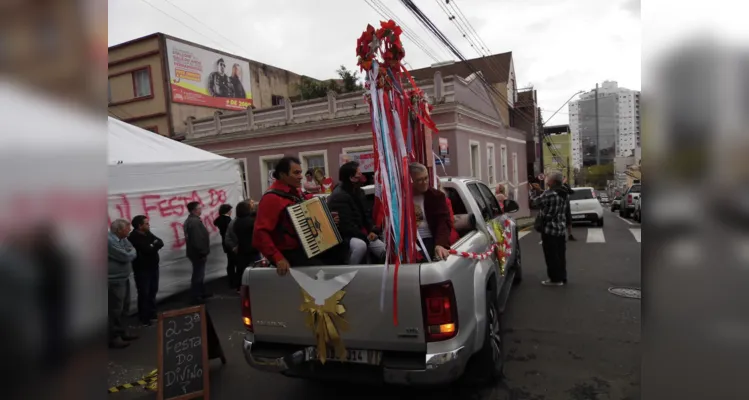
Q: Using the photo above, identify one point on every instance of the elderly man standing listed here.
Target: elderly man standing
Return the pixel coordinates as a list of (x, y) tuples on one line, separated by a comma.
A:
[(432, 216), (552, 205), (121, 255)]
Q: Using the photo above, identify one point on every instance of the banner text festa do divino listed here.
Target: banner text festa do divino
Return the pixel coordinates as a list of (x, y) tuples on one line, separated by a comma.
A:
[(171, 209)]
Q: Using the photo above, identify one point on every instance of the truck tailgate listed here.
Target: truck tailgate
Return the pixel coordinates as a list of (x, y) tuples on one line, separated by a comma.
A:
[(277, 318)]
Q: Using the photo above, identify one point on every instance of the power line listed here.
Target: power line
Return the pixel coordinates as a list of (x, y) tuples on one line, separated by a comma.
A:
[(460, 14), (183, 24), (202, 23), (378, 8), (406, 27), (441, 36)]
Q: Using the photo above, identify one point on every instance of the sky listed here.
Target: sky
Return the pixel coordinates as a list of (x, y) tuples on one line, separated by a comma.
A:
[(559, 46)]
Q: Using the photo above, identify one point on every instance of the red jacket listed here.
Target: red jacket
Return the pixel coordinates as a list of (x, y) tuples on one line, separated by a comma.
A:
[(453, 233), (438, 217), (274, 231)]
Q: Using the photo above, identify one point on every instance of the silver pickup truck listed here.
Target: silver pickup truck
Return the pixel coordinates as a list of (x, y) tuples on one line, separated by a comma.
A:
[(448, 311)]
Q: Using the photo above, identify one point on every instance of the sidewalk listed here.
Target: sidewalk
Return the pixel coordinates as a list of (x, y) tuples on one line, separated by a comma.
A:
[(526, 222)]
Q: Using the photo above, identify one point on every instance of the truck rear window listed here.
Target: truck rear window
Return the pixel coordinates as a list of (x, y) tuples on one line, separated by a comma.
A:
[(581, 194), (635, 189)]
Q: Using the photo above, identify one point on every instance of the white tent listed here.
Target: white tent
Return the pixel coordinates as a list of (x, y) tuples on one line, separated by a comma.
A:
[(156, 176)]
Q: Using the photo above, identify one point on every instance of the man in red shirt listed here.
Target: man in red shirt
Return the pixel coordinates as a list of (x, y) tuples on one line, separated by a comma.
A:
[(274, 235)]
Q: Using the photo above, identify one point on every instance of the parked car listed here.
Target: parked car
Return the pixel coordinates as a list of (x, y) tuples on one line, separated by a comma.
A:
[(637, 213), (616, 203), (585, 207), (628, 200), (449, 312)]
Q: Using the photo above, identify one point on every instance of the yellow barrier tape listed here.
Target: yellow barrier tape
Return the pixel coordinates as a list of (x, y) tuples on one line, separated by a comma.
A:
[(147, 381)]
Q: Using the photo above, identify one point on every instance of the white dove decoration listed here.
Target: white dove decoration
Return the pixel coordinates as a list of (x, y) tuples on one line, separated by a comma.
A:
[(319, 288)]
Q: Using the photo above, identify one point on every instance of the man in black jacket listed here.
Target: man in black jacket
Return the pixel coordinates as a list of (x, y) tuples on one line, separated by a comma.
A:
[(244, 227), (145, 267), (566, 187), (355, 225), (198, 245), (222, 223)]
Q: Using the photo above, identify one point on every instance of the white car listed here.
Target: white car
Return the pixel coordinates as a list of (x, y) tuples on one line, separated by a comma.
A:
[(585, 206)]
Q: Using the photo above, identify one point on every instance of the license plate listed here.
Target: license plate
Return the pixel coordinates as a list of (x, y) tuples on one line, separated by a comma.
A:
[(578, 217), (369, 357)]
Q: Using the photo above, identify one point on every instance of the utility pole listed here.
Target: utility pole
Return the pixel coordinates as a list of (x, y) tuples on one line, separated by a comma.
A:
[(598, 134), (569, 178)]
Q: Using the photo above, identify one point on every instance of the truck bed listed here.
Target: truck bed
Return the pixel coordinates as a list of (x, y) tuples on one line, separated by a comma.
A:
[(277, 317)]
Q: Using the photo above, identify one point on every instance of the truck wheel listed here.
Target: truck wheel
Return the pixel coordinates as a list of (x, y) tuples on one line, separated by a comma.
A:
[(488, 364), (518, 267)]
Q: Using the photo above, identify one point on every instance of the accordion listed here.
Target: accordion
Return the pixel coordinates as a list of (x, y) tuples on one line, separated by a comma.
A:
[(314, 226)]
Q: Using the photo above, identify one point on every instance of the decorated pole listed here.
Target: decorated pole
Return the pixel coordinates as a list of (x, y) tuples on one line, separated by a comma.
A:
[(400, 119)]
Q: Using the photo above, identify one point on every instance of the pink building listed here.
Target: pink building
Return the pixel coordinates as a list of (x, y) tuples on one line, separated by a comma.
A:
[(472, 140)]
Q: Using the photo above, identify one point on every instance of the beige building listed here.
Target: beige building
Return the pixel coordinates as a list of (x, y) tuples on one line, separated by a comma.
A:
[(158, 82)]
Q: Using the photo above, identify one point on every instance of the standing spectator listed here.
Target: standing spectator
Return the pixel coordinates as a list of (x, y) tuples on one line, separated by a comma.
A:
[(120, 257), (501, 194), (568, 190), (146, 267), (244, 228), (310, 183), (552, 205), (198, 245), (222, 223)]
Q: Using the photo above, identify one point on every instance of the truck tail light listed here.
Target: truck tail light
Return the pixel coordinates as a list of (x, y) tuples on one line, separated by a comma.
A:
[(440, 311), (629, 199), (246, 308)]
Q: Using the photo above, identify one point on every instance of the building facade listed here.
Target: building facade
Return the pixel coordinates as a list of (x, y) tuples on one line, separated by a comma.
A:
[(517, 108), (324, 133), (558, 151), (614, 131), (157, 82)]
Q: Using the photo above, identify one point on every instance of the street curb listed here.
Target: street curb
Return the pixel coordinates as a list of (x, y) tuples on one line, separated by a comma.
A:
[(525, 225)]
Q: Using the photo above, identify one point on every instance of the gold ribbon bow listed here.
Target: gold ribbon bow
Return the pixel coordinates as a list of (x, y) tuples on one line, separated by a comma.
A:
[(325, 321)]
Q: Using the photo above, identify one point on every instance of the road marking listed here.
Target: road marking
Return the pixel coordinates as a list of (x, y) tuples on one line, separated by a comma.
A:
[(625, 220), (636, 233), (595, 235), (522, 234)]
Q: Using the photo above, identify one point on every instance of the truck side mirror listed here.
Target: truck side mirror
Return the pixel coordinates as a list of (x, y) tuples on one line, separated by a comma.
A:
[(511, 206)]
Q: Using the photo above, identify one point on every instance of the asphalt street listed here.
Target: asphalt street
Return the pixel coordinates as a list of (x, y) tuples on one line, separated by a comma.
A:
[(577, 342)]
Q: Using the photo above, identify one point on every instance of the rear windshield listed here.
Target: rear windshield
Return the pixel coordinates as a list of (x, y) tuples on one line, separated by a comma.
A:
[(581, 194), (635, 189)]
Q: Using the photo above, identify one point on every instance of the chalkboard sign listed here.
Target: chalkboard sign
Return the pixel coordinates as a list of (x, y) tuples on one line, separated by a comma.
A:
[(183, 354)]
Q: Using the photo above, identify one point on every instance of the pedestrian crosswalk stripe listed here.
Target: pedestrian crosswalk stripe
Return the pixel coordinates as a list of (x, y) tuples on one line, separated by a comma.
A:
[(595, 235), (636, 233)]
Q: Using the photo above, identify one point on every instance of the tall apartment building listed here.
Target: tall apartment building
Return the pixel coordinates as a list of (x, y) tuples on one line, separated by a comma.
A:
[(616, 133)]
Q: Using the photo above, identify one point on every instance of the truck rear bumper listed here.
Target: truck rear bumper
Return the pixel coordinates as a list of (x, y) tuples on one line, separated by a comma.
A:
[(440, 368)]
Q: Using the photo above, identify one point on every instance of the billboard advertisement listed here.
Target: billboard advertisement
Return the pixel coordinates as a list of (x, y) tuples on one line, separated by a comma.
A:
[(204, 78)]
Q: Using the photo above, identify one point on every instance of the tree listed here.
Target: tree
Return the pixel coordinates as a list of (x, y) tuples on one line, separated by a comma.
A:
[(312, 89), (597, 175), (350, 80)]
